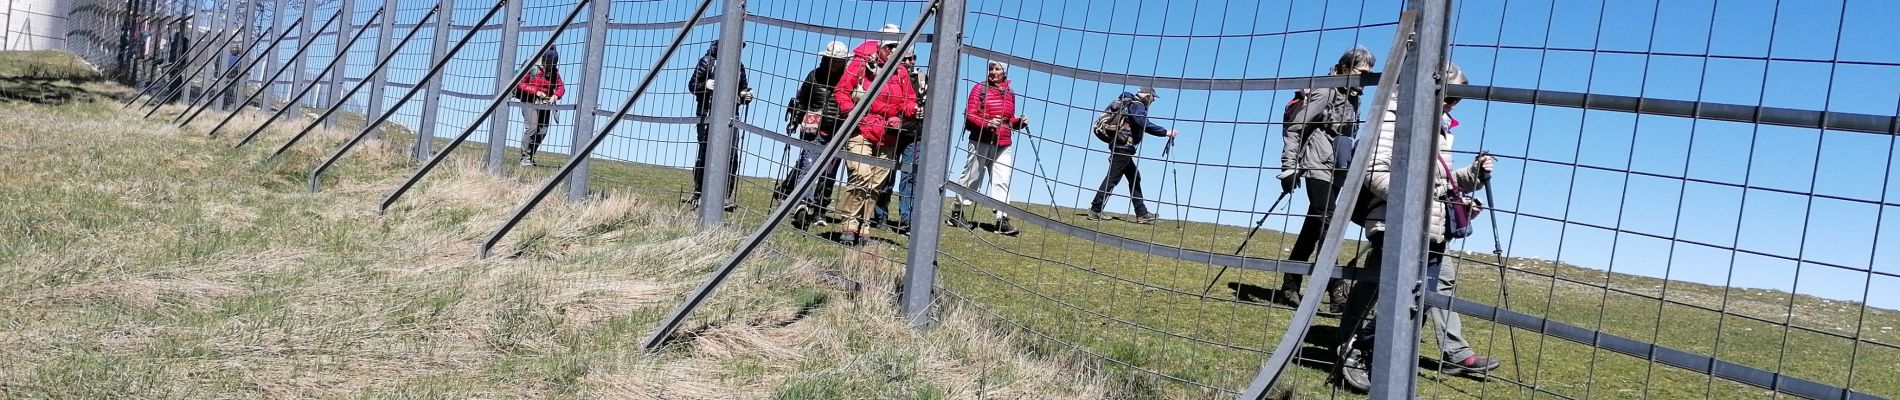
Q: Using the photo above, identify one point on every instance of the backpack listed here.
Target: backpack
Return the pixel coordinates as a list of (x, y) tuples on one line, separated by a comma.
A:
[(1112, 121)]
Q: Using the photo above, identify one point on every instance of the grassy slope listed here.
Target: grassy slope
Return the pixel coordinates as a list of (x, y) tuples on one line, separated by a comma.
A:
[(1079, 292), (148, 261)]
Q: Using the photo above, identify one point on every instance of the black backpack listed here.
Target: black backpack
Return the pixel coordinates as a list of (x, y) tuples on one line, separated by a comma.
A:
[(1112, 121)]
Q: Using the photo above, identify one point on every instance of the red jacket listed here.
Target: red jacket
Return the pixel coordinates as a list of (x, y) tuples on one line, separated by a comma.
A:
[(535, 83), (898, 99), (988, 102)]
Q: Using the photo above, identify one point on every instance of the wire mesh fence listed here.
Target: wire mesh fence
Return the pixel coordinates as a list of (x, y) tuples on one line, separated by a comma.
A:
[(1672, 199)]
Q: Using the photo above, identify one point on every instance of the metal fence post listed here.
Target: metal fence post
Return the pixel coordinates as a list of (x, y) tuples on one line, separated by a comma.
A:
[(1395, 353), (298, 73), (343, 66), (920, 272), (383, 49), (725, 106), (279, 20), (589, 100), (505, 65), (438, 53)]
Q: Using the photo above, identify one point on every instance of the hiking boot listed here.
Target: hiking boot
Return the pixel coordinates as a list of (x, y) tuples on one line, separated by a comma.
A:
[(1475, 364), (1147, 218), (900, 227), (1336, 301), (956, 217), (1003, 227), (1098, 216), (801, 218), (1287, 297), (527, 161), (730, 206), (694, 201), (1352, 368)]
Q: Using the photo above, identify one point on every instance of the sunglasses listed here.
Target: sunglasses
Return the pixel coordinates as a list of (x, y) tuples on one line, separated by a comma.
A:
[(1452, 101)]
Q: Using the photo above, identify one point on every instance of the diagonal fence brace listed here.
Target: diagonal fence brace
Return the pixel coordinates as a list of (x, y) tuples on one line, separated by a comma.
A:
[(380, 65), (1330, 247), (501, 97), (434, 70), (247, 69), (653, 73), (215, 42), (273, 77), (805, 182), (314, 81)]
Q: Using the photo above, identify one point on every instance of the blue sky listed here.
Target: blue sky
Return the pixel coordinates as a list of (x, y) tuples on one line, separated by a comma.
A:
[(1686, 177)]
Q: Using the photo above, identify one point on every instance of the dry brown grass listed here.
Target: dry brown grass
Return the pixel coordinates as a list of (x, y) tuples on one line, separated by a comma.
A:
[(148, 261)]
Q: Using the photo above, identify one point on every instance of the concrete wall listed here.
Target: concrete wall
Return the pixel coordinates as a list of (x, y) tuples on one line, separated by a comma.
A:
[(34, 24)]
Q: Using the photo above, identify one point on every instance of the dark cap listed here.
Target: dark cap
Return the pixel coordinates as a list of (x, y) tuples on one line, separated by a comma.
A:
[(1150, 91)]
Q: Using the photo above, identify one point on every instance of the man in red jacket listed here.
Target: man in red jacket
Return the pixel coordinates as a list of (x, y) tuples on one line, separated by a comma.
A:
[(990, 116), (875, 136), (541, 86)]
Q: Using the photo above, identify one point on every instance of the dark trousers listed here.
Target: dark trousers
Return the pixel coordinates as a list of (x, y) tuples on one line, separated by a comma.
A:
[(820, 194), (1319, 208), (1120, 166), (699, 165)]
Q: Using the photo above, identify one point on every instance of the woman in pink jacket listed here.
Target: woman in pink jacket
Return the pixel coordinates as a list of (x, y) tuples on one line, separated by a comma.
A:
[(990, 118)]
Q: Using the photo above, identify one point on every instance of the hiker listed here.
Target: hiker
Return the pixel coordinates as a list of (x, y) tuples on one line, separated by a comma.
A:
[(874, 136), (1319, 122), (180, 49), (908, 138), (701, 84), (1133, 122), (990, 118), (228, 69), (1448, 188), (542, 85), (813, 113)]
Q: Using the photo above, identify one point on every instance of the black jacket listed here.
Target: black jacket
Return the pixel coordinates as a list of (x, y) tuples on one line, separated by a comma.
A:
[(702, 96), (815, 95)]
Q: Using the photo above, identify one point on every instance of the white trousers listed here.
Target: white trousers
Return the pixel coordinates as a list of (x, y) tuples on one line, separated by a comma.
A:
[(992, 161)]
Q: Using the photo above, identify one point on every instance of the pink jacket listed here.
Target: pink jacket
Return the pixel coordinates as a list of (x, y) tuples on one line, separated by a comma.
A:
[(987, 102), (898, 99)]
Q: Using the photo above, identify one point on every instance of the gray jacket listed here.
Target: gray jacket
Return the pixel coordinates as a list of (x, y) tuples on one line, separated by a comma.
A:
[(1379, 179), (1312, 144)]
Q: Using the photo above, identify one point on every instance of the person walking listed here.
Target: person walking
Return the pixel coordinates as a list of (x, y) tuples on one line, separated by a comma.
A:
[(701, 85), (1121, 158), (1320, 124), (1451, 213), (875, 136), (990, 119), (813, 113), (541, 86), (908, 140)]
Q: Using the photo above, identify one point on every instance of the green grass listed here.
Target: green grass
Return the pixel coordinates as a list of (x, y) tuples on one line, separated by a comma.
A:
[(1029, 278)]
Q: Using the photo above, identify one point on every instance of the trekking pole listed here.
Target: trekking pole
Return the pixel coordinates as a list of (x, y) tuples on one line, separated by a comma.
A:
[(1040, 173), (1165, 149), (1504, 283), (1243, 242)]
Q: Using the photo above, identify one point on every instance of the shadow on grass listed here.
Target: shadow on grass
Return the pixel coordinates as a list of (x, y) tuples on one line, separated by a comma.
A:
[(47, 91)]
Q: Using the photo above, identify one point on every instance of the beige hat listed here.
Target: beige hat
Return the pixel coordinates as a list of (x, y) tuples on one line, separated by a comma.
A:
[(835, 49), (889, 28)]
